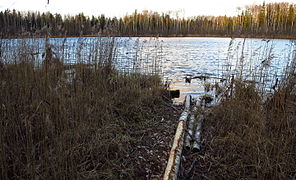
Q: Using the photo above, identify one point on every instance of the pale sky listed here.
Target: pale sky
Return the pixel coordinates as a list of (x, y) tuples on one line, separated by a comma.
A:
[(119, 8)]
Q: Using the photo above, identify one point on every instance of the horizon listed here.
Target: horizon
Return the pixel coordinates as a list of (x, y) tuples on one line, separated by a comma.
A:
[(188, 9)]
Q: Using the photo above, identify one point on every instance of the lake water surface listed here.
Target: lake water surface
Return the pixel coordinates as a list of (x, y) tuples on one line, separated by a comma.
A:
[(175, 58)]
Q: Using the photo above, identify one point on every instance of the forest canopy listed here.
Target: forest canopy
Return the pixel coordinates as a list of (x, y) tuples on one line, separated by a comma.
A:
[(272, 20)]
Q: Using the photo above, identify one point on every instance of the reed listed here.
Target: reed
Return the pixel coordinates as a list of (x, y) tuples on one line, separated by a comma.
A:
[(251, 133), (87, 126)]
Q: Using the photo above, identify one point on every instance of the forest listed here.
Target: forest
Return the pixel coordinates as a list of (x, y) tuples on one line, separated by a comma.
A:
[(271, 19)]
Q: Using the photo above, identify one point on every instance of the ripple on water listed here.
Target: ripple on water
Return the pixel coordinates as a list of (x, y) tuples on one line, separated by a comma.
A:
[(178, 57)]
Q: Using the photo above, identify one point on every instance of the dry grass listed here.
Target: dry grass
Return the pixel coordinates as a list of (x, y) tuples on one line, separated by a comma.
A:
[(246, 138), (251, 133), (84, 129)]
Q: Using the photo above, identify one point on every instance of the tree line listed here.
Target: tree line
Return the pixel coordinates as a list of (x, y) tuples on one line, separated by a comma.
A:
[(272, 19)]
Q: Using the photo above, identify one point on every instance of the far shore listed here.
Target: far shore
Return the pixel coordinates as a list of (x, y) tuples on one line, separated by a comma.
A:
[(157, 35)]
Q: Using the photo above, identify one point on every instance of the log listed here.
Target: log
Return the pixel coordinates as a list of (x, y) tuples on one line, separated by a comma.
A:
[(189, 135), (189, 138), (187, 103), (197, 136), (172, 168)]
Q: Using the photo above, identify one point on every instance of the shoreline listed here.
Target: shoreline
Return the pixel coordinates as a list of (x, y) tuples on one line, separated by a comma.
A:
[(164, 36)]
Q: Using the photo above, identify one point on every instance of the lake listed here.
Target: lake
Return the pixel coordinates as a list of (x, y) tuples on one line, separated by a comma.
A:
[(174, 58)]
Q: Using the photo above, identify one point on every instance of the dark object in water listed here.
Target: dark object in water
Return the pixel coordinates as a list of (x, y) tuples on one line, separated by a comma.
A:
[(201, 77), (187, 80), (275, 85), (175, 93)]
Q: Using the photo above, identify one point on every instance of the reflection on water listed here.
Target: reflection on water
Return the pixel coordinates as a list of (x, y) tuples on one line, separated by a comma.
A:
[(220, 58), (173, 58)]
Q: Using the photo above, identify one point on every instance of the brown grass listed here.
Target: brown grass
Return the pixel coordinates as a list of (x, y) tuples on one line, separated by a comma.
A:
[(84, 129), (248, 138)]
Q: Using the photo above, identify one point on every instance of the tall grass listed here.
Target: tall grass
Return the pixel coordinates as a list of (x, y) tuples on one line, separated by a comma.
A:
[(85, 128), (245, 138), (251, 135)]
